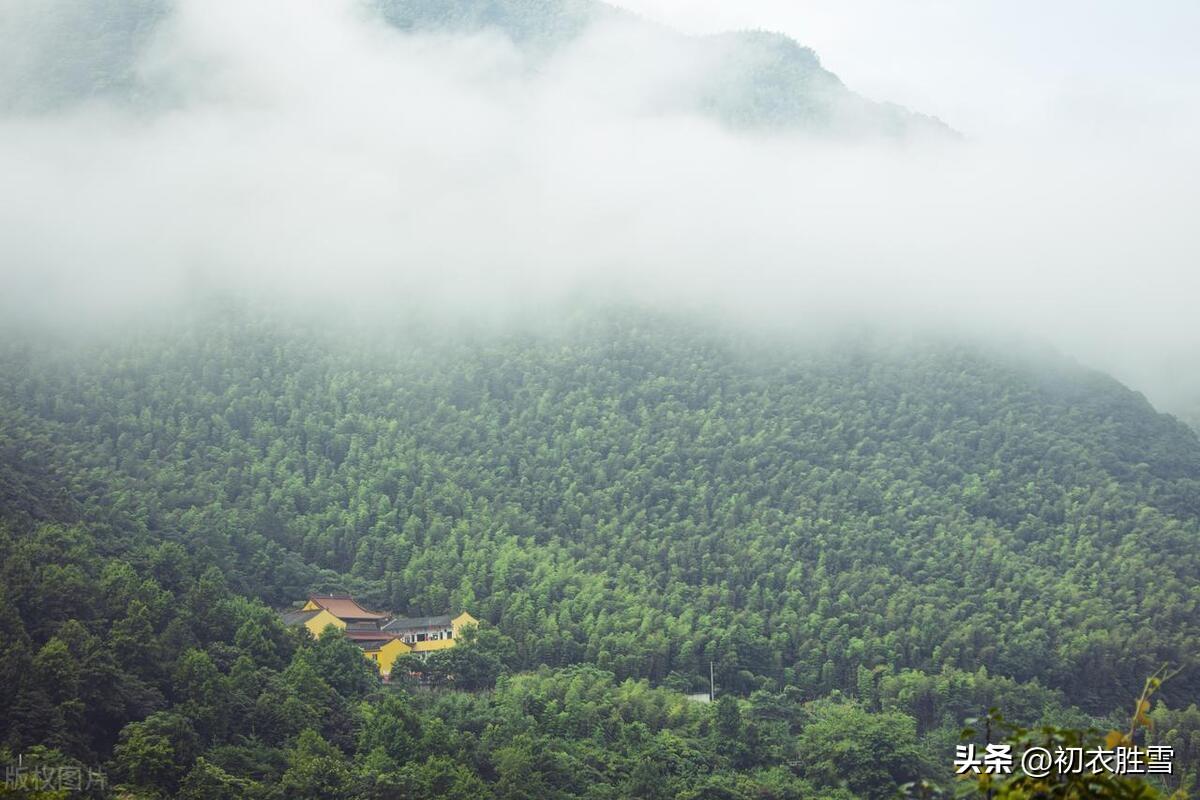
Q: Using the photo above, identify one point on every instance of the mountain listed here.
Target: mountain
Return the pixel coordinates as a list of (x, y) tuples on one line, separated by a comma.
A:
[(857, 537), (750, 80)]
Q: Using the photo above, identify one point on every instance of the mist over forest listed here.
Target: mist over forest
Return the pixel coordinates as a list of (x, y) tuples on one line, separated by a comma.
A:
[(467, 157), (765, 430)]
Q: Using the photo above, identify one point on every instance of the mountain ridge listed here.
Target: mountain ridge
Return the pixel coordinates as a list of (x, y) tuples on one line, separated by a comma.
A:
[(754, 80)]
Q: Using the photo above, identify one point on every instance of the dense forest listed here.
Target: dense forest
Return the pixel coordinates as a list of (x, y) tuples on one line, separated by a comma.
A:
[(868, 542)]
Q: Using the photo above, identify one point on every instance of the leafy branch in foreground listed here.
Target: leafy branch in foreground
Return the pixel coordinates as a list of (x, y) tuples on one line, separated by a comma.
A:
[(1049, 763)]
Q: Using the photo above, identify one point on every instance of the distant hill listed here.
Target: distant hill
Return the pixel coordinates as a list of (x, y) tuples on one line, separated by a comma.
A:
[(754, 79), (70, 51)]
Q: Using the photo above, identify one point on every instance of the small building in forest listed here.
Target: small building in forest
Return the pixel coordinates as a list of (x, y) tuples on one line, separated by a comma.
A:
[(382, 637), (425, 634), (384, 654)]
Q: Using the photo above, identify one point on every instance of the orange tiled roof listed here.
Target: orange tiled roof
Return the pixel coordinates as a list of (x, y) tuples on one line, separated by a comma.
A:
[(344, 607)]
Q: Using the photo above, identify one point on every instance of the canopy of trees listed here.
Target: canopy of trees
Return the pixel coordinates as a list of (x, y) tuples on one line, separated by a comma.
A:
[(869, 544)]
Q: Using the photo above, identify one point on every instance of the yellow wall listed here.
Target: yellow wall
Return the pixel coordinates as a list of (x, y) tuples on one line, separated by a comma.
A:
[(319, 622), (459, 622), (432, 645), (387, 655)]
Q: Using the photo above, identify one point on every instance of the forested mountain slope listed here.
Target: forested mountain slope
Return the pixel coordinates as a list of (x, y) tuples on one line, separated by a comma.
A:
[(871, 543), (646, 497)]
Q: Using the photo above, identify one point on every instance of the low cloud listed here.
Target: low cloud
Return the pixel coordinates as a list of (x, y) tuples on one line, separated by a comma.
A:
[(319, 155)]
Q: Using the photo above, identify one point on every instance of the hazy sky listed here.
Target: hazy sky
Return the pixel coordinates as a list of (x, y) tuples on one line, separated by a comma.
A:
[(989, 67), (311, 151)]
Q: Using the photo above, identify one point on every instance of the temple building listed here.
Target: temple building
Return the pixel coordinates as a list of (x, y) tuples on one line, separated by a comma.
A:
[(382, 637)]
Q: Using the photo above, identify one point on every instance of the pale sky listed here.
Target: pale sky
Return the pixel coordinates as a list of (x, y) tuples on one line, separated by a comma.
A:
[(988, 66)]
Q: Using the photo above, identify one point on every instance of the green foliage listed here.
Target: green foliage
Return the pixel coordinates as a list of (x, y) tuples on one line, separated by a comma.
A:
[(207, 781), (475, 663), (1080, 783), (869, 754), (644, 498), (340, 663), (157, 751), (316, 770), (868, 545)]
